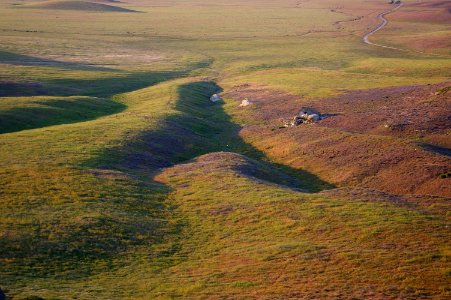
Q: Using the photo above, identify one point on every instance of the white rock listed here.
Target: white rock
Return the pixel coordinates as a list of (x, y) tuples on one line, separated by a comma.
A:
[(215, 98), (245, 102)]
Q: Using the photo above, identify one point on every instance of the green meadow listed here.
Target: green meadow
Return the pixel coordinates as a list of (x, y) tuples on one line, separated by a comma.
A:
[(119, 179)]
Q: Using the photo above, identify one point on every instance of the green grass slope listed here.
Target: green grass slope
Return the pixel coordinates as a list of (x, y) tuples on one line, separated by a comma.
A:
[(77, 215), (81, 193), (258, 240)]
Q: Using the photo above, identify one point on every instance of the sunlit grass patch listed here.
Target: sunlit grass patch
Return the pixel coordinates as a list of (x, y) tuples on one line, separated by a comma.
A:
[(315, 83)]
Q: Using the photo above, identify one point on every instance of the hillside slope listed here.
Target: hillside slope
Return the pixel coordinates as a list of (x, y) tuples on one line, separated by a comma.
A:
[(219, 225), (377, 138)]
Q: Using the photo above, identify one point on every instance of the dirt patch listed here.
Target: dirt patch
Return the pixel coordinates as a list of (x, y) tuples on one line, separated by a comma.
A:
[(414, 111), (364, 141), (269, 105)]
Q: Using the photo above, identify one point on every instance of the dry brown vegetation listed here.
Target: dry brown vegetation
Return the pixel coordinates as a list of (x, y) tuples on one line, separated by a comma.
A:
[(374, 138)]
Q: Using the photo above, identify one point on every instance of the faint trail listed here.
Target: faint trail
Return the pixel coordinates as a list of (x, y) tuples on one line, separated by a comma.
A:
[(384, 22), (381, 17)]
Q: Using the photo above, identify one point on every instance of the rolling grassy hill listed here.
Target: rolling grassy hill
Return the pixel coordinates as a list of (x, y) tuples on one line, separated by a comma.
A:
[(119, 179)]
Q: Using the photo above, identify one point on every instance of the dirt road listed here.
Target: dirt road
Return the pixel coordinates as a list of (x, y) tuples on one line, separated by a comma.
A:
[(381, 17)]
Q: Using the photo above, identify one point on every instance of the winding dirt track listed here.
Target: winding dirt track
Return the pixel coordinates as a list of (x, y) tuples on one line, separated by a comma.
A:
[(381, 17)]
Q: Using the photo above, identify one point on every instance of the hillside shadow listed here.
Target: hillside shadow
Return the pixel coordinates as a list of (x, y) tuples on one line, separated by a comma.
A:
[(120, 82), (105, 87), (436, 149), (66, 112), (226, 135), (201, 127), (27, 60), (19, 89), (109, 86), (56, 112)]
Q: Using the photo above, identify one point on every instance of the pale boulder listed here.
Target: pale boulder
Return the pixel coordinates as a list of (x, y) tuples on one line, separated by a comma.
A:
[(215, 98), (245, 102)]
